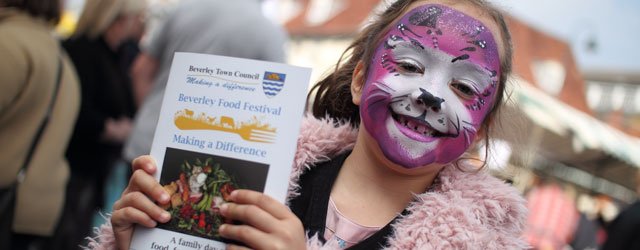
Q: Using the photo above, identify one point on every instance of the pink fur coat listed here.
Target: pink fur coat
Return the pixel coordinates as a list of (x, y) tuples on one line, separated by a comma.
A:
[(464, 211)]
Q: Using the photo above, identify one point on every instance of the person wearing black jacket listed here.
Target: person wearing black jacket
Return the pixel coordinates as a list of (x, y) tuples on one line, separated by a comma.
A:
[(624, 230), (102, 48)]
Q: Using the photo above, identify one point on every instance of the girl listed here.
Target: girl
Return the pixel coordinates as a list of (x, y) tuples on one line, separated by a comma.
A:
[(380, 165)]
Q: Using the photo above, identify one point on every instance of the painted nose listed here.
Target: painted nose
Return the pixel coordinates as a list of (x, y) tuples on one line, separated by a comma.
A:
[(429, 100)]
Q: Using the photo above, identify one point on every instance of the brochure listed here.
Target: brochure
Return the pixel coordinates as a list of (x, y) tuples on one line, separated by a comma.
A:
[(225, 124)]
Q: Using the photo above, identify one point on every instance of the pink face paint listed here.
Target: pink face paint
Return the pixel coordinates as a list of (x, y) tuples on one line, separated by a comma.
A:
[(430, 85)]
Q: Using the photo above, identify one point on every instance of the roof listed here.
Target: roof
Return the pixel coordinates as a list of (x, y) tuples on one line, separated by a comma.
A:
[(572, 138), (565, 120), (535, 50), (333, 18)]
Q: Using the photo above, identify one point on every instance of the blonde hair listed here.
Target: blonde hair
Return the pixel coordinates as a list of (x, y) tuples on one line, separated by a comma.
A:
[(98, 15)]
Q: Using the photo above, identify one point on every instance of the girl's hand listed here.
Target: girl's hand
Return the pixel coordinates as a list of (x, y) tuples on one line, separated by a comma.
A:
[(137, 203), (267, 223)]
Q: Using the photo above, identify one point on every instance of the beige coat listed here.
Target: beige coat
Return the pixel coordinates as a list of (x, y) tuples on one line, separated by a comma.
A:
[(28, 68)]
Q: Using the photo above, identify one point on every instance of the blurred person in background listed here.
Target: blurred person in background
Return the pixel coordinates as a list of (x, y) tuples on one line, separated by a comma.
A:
[(236, 29), (624, 231), (37, 78), (585, 236), (553, 216), (102, 48)]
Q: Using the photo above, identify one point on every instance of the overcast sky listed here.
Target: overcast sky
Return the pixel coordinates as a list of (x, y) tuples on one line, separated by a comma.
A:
[(613, 25)]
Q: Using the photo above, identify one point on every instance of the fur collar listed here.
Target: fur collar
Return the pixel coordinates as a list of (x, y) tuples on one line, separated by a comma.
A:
[(463, 211)]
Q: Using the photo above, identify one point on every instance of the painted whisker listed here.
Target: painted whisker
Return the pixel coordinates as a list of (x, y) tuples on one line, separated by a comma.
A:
[(384, 87)]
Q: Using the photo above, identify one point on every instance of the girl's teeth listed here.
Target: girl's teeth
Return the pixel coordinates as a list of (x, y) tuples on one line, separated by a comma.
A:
[(415, 126)]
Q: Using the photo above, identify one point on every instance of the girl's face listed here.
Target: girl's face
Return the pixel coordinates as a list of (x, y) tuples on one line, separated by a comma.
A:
[(430, 85)]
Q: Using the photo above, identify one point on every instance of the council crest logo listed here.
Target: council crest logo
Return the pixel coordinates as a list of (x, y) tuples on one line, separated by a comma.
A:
[(272, 83)]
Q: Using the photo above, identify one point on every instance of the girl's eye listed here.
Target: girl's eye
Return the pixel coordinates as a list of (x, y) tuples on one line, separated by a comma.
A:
[(463, 89), (410, 67)]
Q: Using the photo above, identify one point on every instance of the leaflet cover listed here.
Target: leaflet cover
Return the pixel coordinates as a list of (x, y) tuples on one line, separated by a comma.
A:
[(225, 124)]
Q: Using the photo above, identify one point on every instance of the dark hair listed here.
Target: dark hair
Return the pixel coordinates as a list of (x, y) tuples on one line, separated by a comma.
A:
[(333, 92), (49, 10)]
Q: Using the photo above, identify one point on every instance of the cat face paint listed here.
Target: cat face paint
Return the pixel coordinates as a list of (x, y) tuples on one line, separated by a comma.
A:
[(430, 85)]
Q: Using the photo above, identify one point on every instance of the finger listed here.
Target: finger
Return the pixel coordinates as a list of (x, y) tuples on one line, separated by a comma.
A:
[(124, 219), (251, 215), (263, 201), (142, 182), (123, 239), (142, 203), (248, 235), (146, 163)]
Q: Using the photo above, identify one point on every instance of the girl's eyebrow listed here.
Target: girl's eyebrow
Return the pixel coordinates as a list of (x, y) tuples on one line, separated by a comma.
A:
[(411, 45), (406, 47), (482, 75)]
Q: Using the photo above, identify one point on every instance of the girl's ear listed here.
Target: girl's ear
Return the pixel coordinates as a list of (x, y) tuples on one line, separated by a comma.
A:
[(357, 83)]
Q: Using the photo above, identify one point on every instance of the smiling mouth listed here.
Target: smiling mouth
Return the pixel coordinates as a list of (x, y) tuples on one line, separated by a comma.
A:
[(417, 126)]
